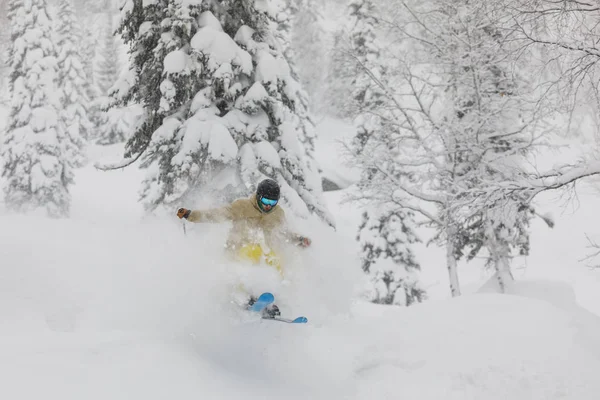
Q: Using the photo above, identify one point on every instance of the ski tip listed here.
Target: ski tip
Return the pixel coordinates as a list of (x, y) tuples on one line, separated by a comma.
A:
[(266, 298), (300, 320)]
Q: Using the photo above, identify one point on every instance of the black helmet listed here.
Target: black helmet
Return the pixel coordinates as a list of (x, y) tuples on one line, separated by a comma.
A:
[(267, 195), (268, 189)]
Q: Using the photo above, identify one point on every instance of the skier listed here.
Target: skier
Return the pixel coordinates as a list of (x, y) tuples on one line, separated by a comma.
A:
[(254, 218)]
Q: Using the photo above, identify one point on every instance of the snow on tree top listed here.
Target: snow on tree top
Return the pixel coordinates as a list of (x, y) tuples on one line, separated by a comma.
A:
[(189, 3), (146, 3), (269, 69), (202, 99), (293, 199), (277, 9), (247, 158), (207, 19), (210, 131), (243, 36), (255, 94), (126, 81), (126, 7), (219, 48), (224, 72), (175, 62), (289, 139), (145, 27), (266, 152), (264, 6), (248, 125)]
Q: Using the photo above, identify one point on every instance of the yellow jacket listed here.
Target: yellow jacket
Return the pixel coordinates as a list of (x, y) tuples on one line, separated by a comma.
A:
[(250, 225)]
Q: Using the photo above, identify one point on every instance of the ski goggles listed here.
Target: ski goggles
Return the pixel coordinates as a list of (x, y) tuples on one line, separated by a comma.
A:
[(268, 202)]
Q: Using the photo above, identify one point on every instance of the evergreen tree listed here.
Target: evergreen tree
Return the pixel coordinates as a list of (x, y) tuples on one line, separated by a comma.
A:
[(87, 45), (90, 14), (357, 53), (282, 16), (311, 45), (4, 42), (72, 80), (108, 67), (218, 98), (368, 97), (36, 150), (385, 236), (113, 121)]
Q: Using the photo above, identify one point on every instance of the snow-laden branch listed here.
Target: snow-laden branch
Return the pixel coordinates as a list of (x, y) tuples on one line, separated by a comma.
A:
[(117, 165), (555, 180), (590, 51), (418, 209), (560, 6), (401, 202)]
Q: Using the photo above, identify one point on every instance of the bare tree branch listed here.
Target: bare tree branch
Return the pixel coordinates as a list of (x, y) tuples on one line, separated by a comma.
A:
[(594, 256)]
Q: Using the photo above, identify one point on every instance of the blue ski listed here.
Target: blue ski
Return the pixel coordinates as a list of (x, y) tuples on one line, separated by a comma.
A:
[(262, 302), (299, 320)]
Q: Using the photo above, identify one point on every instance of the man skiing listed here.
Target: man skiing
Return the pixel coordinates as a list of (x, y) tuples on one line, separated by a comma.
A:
[(258, 227)]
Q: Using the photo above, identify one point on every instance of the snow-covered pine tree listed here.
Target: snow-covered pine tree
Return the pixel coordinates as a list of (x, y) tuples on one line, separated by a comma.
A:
[(354, 43), (218, 98), (85, 8), (311, 43), (87, 51), (36, 149), (4, 43), (72, 81), (114, 122), (385, 237), (108, 67), (368, 97), (340, 73), (89, 14), (282, 17)]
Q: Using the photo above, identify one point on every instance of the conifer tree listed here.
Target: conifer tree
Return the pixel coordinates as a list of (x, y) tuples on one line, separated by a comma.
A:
[(36, 149), (109, 65), (219, 100), (4, 42), (114, 122), (310, 41), (72, 80)]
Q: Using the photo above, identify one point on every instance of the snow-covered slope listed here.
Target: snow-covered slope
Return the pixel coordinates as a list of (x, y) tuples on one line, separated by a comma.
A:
[(117, 304)]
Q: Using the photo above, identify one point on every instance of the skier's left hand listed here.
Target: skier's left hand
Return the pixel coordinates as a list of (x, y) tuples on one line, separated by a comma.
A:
[(304, 241)]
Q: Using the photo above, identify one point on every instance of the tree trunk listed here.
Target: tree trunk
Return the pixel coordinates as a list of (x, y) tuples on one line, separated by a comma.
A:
[(500, 254), (451, 260), (505, 277)]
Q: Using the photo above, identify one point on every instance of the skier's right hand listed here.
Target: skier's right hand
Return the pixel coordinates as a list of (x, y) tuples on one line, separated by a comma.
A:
[(183, 213)]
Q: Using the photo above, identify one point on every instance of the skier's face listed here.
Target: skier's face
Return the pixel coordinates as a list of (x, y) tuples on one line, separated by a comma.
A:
[(266, 205)]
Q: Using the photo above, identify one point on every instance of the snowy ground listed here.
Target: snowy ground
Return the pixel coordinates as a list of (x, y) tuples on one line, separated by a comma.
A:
[(117, 304)]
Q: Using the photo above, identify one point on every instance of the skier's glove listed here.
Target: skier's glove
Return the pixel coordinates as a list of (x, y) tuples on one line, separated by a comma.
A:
[(183, 213), (304, 241)]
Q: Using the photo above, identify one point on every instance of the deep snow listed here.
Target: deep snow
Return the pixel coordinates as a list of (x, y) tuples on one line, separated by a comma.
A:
[(115, 303)]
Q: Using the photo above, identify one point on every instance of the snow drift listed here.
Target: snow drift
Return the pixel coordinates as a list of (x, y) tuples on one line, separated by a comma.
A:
[(117, 304)]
